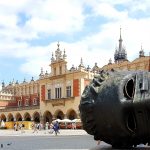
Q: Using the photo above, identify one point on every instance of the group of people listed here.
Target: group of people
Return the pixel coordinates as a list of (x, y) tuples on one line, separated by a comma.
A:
[(19, 126), (49, 128)]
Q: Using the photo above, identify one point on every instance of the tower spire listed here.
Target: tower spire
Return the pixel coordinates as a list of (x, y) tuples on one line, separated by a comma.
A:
[(58, 44), (141, 47), (42, 73), (3, 84), (120, 41), (52, 58), (141, 52), (64, 55), (81, 63), (120, 52), (58, 52), (120, 33)]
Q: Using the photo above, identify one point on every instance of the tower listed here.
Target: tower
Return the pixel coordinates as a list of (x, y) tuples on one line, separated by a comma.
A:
[(58, 63), (120, 52), (141, 52), (3, 85)]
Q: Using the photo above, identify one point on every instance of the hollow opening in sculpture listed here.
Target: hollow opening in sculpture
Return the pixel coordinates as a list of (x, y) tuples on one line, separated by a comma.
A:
[(131, 122), (129, 89)]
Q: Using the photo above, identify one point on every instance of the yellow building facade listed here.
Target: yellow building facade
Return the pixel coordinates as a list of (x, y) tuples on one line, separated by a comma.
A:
[(54, 95)]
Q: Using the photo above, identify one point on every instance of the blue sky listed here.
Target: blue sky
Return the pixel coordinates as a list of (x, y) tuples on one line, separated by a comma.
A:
[(29, 31)]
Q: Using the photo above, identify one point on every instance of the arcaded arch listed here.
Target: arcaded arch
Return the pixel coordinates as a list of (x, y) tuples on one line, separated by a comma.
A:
[(47, 116), (36, 117), (10, 117), (3, 117), (27, 117), (18, 117), (59, 114), (71, 114)]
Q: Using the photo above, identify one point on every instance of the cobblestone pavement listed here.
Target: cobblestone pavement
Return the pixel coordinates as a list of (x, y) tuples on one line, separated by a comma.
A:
[(42, 132), (44, 140)]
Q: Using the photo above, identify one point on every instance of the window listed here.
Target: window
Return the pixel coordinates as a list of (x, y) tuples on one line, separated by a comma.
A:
[(27, 102), (68, 91), (27, 90), (35, 89), (20, 91), (35, 101), (19, 103), (23, 91), (49, 93), (17, 91), (31, 90), (58, 92), (60, 70), (54, 71)]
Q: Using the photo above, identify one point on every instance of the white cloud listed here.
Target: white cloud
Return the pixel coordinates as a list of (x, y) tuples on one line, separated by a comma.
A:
[(43, 17), (33, 67), (68, 17), (55, 18), (108, 11)]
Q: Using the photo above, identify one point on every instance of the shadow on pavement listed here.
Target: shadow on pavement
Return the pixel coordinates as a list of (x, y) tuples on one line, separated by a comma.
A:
[(110, 147), (105, 146), (101, 147)]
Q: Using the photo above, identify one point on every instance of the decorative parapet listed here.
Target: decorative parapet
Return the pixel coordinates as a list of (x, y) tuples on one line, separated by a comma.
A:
[(19, 108), (58, 102), (6, 96)]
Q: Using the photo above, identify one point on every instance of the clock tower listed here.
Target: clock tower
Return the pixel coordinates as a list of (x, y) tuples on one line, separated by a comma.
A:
[(59, 63)]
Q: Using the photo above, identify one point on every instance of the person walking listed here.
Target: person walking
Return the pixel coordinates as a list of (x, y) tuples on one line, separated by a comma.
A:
[(35, 128), (73, 125), (15, 126), (51, 128), (56, 127), (46, 127), (22, 128)]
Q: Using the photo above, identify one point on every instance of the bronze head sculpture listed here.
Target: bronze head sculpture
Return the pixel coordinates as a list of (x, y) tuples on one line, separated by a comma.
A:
[(115, 108)]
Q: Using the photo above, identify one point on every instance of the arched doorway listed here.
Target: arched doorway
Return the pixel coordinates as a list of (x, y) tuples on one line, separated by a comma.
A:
[(71, 114), (36, 117), (47, 117), (3, 117), (27, 117), (59, 114), (18, 117), (10, 117)]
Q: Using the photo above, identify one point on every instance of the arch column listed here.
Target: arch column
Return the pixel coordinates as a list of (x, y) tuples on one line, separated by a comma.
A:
[(78, 115), (32, 119), (41, 118), (65, 116), (23, 118), (53, 117)]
